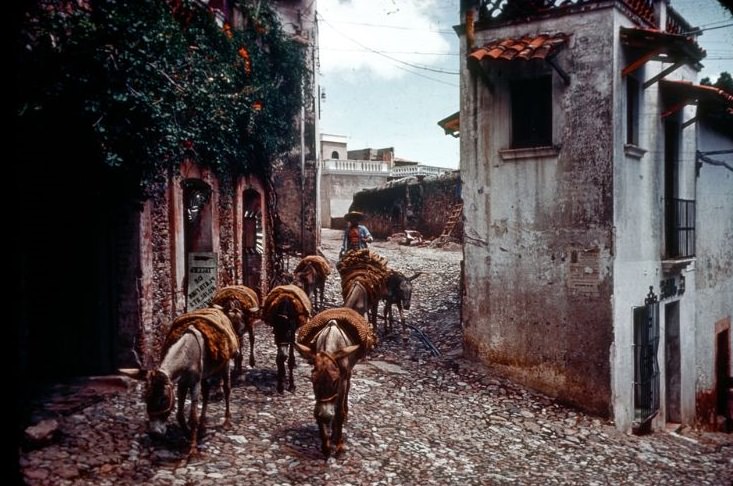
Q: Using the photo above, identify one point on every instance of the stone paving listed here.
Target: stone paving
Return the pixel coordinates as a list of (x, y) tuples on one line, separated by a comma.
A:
[(414, 419)]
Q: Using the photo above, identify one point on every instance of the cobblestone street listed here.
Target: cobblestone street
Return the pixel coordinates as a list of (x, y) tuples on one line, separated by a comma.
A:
[(414, 418)]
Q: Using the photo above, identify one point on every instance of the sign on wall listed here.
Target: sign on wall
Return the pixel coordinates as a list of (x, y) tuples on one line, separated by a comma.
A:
[(201, 280), (584, 277)]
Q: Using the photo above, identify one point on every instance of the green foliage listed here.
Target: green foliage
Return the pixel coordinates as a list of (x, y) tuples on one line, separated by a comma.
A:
[(724, 82), (726, 4), (156, 84)]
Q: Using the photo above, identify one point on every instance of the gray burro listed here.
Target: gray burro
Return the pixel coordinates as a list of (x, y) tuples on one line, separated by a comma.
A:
[(414, 419)]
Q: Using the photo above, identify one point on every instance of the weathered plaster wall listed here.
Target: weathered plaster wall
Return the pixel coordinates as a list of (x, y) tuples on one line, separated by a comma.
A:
[(422, 204), (639, 208), (288, 183), (714, 245), (328, 148), (538, 239), (162, 256), (337, 192)]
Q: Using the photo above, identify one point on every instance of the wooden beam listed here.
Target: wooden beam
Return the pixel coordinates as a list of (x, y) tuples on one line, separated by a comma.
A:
[(689, 122), (640, 62), (675, 108), (560, 71), (665, 72)]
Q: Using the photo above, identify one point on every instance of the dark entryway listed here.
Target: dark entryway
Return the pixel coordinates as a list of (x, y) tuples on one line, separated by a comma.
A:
[(252, 239), (673, 371), (723, 380), (77, 249)]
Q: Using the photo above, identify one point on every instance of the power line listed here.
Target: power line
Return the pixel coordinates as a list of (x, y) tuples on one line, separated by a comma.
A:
[(698, 30), (427, 77), (394, 52), (397, 27), (381, 53)]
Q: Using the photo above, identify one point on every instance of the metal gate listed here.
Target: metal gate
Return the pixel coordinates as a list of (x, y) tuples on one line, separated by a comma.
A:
[(646, 368)]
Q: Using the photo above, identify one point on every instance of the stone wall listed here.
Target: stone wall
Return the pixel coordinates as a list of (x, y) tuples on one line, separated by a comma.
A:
[(422, 204)]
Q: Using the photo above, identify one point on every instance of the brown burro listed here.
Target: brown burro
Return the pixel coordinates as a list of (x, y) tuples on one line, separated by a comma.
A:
[(198, 347), (334, 340), (310, 275), (286, 308), (247, 299)]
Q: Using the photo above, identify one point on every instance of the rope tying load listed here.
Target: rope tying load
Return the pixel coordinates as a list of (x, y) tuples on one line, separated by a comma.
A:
[(348, 319), (366, 267), (297, 297), (319, 263), (221, 341)]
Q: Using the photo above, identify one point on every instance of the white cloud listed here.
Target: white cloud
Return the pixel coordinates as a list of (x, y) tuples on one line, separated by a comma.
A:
[(394, 25)]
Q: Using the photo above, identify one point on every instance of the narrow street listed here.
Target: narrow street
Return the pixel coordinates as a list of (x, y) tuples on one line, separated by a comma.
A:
[(414, 418)]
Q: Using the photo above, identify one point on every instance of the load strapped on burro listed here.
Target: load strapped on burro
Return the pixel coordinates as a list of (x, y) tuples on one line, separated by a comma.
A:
[(249, 303), (348, 320), (286, 309), (216, 328)]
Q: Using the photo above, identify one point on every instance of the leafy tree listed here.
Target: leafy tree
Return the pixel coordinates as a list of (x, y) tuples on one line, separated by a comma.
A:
[(724, 82), (155, 82), (727, 4)]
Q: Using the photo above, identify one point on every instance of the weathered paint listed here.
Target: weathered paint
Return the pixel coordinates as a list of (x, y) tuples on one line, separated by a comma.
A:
[(529, 308), (560, 246), (714, 288), (337, 192)]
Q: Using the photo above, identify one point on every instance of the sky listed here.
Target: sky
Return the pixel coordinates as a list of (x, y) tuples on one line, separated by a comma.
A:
[(389, 70)]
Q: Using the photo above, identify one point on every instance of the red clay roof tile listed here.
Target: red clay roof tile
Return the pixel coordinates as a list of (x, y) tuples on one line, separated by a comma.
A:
[(528, 47)]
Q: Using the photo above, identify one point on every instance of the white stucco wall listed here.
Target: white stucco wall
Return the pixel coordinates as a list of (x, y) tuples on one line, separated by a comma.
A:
[(639, 233), (524, 218), (527, 219), (714, 245)]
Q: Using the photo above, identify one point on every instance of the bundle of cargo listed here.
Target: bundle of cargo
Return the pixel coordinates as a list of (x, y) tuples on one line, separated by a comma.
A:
[(292, 293), (215, 327), (247, 301), (348, 319), (363, 266)]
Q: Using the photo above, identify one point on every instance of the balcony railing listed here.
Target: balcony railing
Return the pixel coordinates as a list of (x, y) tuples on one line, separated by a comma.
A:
[(371, 167), (497, 11), (355, 166), (418, 170), (680, 225)]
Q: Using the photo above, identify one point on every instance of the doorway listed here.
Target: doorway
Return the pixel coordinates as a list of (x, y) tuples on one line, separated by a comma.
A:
[(723, 381), (252, 240), (673, 369)]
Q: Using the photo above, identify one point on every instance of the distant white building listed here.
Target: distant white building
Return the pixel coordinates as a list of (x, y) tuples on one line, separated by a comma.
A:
[(345, 172)]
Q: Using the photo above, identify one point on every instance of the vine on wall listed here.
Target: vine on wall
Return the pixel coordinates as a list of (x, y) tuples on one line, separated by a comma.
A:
[(155, 82)]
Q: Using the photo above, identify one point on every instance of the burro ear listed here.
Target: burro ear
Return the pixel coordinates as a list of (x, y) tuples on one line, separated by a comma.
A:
[(304, 350), (414, 276), (342, 353), (135, 373)]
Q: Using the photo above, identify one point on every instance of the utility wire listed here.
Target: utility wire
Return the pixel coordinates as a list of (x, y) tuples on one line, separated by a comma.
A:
[(397, 27), (427, 77), (394, 52), (698, 30), (380, 53)]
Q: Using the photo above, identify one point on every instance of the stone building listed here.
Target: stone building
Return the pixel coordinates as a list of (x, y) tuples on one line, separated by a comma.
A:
[(102, 274), (594, 249), (424, 204)]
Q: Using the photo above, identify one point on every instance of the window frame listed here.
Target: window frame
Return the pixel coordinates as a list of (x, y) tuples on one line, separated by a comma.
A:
[(532, 98), (633, 109)]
